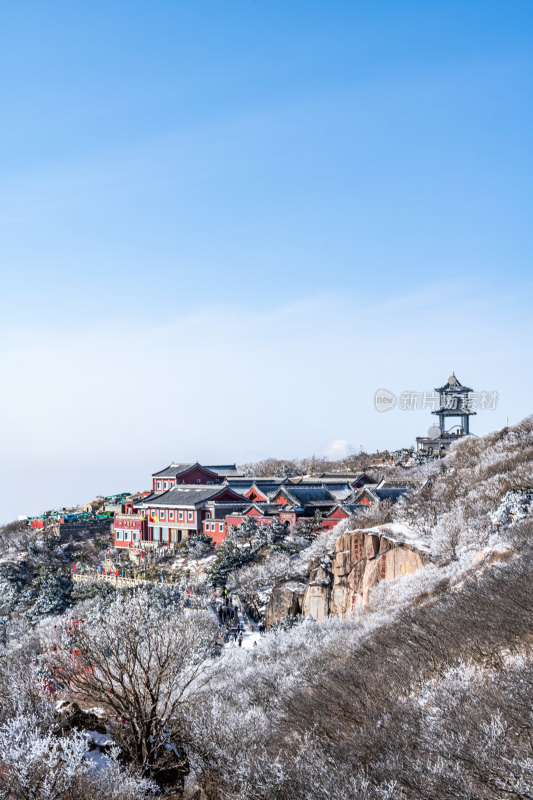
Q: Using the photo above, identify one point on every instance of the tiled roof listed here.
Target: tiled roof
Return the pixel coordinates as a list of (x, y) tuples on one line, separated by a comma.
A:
[(224, 470), (453, 385), (340, 492), (238, 480), (267, 489), (219, 510), (460, 411), (389, 494), (308, 494), (172, 470), (184, 495), (380, 495)]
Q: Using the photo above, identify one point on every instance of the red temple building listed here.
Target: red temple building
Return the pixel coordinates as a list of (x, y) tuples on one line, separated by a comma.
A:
[(190, 498)]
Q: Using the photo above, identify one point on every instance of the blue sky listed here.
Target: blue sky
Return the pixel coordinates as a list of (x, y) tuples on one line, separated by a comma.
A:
[(224, 226)]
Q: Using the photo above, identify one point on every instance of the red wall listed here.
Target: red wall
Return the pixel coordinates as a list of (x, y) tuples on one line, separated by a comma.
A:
[(331, 521), (254, 494), (133, 524), (217, 535), (195, 475)]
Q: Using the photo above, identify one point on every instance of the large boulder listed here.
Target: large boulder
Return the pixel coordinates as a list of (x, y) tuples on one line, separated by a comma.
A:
[(285, 601), (364, 558), (317, 597), (344, 581)]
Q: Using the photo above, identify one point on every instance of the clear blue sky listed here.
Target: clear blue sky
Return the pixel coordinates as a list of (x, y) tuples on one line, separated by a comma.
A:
[(225, 225)]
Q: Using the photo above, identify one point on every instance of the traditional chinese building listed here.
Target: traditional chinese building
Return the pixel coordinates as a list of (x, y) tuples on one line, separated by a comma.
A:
[(453, 413), (192, 473), (190, 497)]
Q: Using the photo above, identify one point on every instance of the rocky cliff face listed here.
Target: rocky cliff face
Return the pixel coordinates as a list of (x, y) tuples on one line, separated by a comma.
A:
[(338, 583), (285, 601)]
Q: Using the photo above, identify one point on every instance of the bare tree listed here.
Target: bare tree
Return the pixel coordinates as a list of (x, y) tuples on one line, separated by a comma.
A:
[(141, 661)]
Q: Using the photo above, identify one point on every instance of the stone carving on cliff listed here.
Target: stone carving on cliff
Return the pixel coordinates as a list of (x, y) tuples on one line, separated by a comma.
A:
[(340, 583)]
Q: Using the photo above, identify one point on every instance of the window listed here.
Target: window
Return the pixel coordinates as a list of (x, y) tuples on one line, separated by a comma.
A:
[(118, 535), (158, 484), (221, 526), (209, 483), (180, 514), (198, 480), (171, 515), (162, 515), (135, 536), (127, 536), (190, 516), (165, 485), (155, 534)]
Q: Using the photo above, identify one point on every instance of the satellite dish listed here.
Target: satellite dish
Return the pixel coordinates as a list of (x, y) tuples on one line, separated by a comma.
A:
[(434, 432)]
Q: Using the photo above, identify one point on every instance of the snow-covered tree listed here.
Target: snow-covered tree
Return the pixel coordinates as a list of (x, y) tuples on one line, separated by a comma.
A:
[(141, 661), (114, 781), (246, 532), (37, 764), (308, 528)]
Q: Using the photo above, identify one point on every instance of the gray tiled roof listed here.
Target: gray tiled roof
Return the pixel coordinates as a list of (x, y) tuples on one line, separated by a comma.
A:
[(390, 495), (268, 489), (172, 470), (184, 495), (308, 494), (219, 510), (349, 477), (237, 480), (453, 384), (340, 492), (224, 470)]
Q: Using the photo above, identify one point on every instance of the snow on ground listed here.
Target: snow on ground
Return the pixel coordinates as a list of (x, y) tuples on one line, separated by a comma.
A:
[(249, 639)]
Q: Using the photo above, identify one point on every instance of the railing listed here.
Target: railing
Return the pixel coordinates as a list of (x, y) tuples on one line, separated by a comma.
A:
[(91, 575), (116, 580)]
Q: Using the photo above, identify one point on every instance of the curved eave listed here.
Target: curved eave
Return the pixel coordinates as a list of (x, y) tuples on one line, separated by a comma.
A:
[(454, 412), (456, 388)]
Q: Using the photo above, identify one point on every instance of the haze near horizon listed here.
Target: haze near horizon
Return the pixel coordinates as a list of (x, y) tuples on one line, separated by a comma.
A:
[(225, 227)]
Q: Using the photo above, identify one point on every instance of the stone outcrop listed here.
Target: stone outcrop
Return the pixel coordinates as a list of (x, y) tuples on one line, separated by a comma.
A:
[(361, 559), (316, 601), (285, 601), (344, 580)]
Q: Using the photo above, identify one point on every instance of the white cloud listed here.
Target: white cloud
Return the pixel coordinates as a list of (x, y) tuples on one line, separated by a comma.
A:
[(338, 449)]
